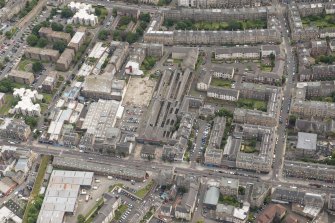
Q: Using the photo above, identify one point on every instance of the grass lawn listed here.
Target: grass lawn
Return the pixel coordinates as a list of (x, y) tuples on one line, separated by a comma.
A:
[(9, 100), (248, 149), (115, 185), (321, 21), (91, 214), (229, 200), (221, 82), (143, 191), (252, 104), (119, 212), (47, 97), (22, 66), (37, 185), (266, 68)]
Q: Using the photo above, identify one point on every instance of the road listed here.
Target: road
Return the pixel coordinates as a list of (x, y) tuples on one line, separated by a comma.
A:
[(281, 129), (147, 166)]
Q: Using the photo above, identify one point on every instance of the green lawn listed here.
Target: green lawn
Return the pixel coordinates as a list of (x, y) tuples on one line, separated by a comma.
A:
[(24, 63), (47, 97), (143, 191), (266, 68), (115, 185), (248, 149), (320, 21), (119, 212), (238, 24), (229, 200), (9, 101), (252, 104), (221, 82), (37, 186), (91, 214)]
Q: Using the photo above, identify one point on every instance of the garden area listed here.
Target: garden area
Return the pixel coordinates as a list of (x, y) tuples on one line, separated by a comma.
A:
[(36, 200), (248, 103), (205, 25), (221, 82), (148, 63), (229, 200), (249, 146), (320, 21), (7, 87), (143, 191), (120, 211), (124, 32)]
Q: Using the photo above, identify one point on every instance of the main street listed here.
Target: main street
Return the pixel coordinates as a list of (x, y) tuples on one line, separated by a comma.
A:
[(284, 113), (150, 166)]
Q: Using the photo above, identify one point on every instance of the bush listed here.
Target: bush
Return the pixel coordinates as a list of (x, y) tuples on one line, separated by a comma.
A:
[(42, 42), (57, 27), (32, 40), (66, 13), (59, 45), (103, 34), (37, 67)]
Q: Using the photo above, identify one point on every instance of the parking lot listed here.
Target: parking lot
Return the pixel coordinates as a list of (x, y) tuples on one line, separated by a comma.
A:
[(131, 119)]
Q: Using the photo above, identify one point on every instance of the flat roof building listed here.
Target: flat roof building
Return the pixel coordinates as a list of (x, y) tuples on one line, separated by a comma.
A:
[(54, 36), (21, 77), (42, 54), (65, 60), (77, 40), (61, 195)]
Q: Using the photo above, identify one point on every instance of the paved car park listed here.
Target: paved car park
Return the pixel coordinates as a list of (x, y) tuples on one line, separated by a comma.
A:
[(131, 119)]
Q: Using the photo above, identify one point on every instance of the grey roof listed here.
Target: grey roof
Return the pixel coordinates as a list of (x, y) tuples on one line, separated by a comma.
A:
[(106, 209), (232, 50), (212, 196), (307, 141), (61, 195), (204, 77), (224, 91), (229, 182)]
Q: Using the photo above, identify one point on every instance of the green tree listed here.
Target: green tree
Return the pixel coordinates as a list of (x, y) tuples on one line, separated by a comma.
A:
[(168, 22), (32, 122), (42, 42), (59, 45), (131, 37), (145, 17), (97, 11), (37, 67), (45, 24), (2, 3), (81, 219), (8, 34), (66, 13), (69, 29), (114, 12), (36, 29), (32, 40), (103, 34), (6, 86), (241, 190), (292, 119), (57, 26)]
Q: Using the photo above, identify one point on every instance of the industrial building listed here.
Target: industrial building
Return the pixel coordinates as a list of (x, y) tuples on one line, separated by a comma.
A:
[(99, 126), (61, 195)]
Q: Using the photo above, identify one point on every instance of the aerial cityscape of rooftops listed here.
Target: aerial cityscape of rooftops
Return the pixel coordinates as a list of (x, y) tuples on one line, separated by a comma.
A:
[(163, 111)]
